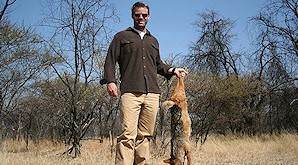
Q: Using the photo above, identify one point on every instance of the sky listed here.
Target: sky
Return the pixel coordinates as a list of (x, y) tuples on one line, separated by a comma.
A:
[(171, 21)]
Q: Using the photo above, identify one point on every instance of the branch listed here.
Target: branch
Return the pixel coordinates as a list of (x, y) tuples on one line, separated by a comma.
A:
[(6, 5)]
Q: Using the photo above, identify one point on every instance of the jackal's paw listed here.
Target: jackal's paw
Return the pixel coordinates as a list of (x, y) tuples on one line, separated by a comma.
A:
[(167, 105)]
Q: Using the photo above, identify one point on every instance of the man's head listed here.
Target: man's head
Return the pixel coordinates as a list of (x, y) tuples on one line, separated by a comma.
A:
[(140, 15)]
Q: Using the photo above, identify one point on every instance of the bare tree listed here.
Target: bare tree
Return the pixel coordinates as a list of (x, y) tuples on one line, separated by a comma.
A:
[(278, 29), (6, 5), (212, 51), (80, 33), (276, 58)]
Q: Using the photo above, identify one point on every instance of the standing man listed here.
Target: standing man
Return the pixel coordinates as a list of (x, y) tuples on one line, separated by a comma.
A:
[(137, 52)]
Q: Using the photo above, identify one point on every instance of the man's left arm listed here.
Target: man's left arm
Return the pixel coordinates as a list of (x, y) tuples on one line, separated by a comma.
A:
[(167, 71), (163, 69)]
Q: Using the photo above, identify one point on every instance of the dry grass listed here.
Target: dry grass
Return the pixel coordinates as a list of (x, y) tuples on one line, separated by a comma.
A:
[(271, 150), (256, 150)]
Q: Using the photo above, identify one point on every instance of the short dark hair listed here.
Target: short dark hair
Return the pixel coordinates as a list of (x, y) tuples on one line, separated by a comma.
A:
[(139, 4)]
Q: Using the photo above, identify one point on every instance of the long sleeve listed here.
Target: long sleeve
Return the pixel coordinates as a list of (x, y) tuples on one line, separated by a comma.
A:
[(110, 62), (162, 68), (139, 62)]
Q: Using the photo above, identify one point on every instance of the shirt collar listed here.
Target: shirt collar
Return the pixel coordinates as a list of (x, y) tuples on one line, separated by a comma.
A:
[(133, 29)]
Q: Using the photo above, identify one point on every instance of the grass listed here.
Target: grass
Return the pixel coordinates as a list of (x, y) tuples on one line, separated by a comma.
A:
[(255, 150), (282, 149)]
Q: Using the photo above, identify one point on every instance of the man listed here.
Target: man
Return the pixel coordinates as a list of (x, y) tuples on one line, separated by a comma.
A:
[(137, 52)]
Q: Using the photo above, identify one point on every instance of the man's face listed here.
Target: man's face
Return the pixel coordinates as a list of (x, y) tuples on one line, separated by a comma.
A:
[(140, 18)]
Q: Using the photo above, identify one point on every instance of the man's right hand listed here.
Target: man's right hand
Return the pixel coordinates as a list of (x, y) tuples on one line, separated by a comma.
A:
[(112, 89)]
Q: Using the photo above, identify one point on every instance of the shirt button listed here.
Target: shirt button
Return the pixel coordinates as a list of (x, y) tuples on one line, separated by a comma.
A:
[(144, 66), (144, 57)]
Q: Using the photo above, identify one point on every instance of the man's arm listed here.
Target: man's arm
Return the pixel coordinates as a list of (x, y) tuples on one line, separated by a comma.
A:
[(109, 67), (112, 89), (168, 71)]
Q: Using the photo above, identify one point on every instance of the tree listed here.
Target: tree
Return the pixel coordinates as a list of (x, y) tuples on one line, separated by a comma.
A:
[(278, 21), (80, 33), (6, 5), (276, 59), (23, 58), (212, 51)]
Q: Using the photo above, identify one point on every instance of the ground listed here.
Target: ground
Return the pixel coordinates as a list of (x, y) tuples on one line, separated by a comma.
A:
[(271, 150)]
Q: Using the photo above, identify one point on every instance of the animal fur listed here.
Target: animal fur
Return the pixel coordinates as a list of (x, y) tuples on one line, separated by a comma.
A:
[(180, 143)]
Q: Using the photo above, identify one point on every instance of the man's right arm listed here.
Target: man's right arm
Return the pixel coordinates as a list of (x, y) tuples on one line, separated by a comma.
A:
[(112, 89), (109, 67)]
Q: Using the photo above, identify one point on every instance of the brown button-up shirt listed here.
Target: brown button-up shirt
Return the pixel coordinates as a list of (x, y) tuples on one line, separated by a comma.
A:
[(139, 62)]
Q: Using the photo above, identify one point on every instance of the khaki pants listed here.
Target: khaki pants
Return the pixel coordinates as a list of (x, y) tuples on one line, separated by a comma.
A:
[(138, 116)]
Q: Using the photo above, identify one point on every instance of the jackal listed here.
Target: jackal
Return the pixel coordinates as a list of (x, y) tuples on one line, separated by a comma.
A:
[(180, 125)]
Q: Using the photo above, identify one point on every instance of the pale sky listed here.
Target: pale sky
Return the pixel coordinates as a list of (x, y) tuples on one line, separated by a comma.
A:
[(171, 20)]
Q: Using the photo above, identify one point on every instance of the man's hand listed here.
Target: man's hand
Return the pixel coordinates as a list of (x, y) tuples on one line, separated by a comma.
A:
[(179, 72), (112, 89)]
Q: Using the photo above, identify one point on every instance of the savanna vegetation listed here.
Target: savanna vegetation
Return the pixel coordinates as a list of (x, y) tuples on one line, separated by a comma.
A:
[(50, 96)]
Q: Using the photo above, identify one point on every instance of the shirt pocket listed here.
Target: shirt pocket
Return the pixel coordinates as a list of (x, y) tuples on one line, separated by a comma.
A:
[(155, 47), (126, 46)]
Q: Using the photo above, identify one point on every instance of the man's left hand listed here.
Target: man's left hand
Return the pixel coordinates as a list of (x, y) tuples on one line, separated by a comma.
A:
[(180, 72)]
